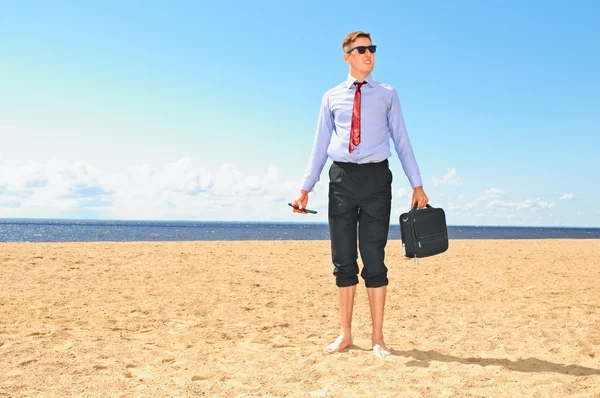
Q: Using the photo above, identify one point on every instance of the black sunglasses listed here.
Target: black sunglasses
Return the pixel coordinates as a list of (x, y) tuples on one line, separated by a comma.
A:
[(363, 49)]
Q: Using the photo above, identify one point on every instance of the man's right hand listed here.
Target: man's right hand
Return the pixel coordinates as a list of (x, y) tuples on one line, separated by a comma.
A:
[(301, 202)]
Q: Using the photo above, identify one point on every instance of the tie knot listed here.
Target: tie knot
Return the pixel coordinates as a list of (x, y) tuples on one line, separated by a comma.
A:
[(359, 84)]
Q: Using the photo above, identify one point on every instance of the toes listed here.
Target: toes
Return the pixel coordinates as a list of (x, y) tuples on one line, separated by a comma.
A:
[(380, 352)]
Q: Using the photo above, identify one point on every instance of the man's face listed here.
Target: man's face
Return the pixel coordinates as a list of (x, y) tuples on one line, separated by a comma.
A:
[(362, 63)]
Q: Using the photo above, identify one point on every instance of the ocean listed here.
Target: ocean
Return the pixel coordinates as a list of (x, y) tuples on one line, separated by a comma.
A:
[(54, 230)]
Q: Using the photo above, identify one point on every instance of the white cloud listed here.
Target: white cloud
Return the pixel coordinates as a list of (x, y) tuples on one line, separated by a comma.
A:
[(401, 193), (490, 194), (567, 196), (506, 216), (531, 204), (6, 127), (450, 178), (464, 207), (471, 206), (180, 190), (185, 190), (51, 188)]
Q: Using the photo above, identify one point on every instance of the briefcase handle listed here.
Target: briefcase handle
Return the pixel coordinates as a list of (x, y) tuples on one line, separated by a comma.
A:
[(415, 208)]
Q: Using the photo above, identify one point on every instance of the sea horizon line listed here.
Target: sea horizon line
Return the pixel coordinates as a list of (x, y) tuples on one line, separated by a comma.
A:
[(6, 220)]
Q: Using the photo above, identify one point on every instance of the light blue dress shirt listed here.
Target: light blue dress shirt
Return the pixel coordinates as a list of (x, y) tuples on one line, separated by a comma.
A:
[(381, 119)]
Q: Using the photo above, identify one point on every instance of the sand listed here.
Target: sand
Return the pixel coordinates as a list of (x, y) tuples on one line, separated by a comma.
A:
[(488, 318)]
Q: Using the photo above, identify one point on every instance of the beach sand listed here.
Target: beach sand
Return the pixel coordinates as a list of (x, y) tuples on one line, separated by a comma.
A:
[(488, 318)]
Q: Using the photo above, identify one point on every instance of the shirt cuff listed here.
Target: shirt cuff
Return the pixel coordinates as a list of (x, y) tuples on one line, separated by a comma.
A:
[(308, 185), (415, 180)]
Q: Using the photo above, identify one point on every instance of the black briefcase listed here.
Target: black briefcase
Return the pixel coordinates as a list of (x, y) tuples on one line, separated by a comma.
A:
[(424, 232)]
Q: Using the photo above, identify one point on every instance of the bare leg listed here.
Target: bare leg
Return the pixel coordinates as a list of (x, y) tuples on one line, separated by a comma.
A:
[(346, 302), (377, 304)]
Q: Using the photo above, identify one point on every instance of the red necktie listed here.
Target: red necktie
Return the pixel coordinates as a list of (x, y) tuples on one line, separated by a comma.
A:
[(355, 125)]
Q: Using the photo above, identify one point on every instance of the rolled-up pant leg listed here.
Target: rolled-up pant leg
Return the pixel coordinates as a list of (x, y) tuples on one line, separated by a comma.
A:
[(374, 224), (359, 195), (343, 219)]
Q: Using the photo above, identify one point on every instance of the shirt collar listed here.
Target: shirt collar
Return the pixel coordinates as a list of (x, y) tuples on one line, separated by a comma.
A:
[(350, 81)]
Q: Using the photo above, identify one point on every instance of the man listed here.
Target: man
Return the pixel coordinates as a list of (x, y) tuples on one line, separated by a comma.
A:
[(360, 190)]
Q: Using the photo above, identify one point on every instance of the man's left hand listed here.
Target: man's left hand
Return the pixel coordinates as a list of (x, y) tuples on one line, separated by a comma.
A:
[(419, 198)]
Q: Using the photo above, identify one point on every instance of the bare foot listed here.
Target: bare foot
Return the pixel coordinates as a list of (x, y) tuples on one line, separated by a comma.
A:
[(381, 351), (338, 345)]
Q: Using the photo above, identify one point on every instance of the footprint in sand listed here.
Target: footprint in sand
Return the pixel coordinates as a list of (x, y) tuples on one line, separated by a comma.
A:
[(101, 365), (320, 393), (178, 364), (25, 363), (134, 372), (63, 347), (14, 372)]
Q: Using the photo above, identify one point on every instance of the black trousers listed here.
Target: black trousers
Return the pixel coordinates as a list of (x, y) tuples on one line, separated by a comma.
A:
[(360, 195)]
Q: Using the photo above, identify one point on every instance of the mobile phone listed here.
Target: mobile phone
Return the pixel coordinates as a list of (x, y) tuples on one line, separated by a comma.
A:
[(306, 210)]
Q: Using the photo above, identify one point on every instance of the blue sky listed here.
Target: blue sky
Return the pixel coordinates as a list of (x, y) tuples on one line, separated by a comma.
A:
[(193, 111)]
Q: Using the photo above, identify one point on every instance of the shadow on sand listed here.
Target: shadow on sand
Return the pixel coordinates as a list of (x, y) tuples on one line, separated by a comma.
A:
[(423, 358)]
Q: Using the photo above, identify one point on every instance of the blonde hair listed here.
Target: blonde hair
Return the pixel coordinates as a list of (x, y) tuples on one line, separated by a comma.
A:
[(351, 37)]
